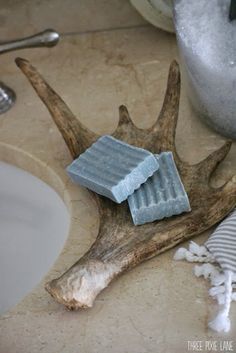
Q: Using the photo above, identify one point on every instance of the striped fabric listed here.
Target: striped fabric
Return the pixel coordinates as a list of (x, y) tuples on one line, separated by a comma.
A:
[(218, 258), (222, 243)]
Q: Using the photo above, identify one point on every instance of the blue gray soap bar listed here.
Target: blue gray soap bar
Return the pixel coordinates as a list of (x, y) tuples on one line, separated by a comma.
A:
[(113, 168), (163, 195)]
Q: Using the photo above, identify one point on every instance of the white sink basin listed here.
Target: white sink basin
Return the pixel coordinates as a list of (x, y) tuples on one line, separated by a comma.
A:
[(34, 224)]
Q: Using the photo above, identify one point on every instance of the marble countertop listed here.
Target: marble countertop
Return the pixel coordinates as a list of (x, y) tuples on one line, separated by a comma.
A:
[(159, 306)]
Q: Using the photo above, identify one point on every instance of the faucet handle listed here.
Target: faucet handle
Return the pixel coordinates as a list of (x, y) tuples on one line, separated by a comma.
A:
[(47, 38), (7, 98)]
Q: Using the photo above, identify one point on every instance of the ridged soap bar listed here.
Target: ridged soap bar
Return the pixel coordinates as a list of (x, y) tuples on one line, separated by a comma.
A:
[(113, 168), (163, 194)]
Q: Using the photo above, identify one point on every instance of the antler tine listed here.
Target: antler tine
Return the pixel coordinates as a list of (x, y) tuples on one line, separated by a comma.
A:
[(125, 126), (124, 117), (208, 165), (227, 192), (167, 120), (75, 134)]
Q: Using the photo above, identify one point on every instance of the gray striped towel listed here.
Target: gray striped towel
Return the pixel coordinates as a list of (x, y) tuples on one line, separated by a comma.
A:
[(218, 256), (222, 243)]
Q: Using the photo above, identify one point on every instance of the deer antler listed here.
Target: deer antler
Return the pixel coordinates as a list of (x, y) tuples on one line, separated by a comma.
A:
[(120, 245)]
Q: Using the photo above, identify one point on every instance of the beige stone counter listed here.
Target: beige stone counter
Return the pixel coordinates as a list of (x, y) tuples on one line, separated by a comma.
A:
[(160, 305)]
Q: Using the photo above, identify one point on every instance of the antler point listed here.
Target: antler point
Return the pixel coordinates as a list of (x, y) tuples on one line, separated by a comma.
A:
[(19, 61), (124, 116)]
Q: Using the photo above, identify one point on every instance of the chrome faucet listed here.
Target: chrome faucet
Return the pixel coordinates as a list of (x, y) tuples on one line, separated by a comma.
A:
[(47, 38)]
